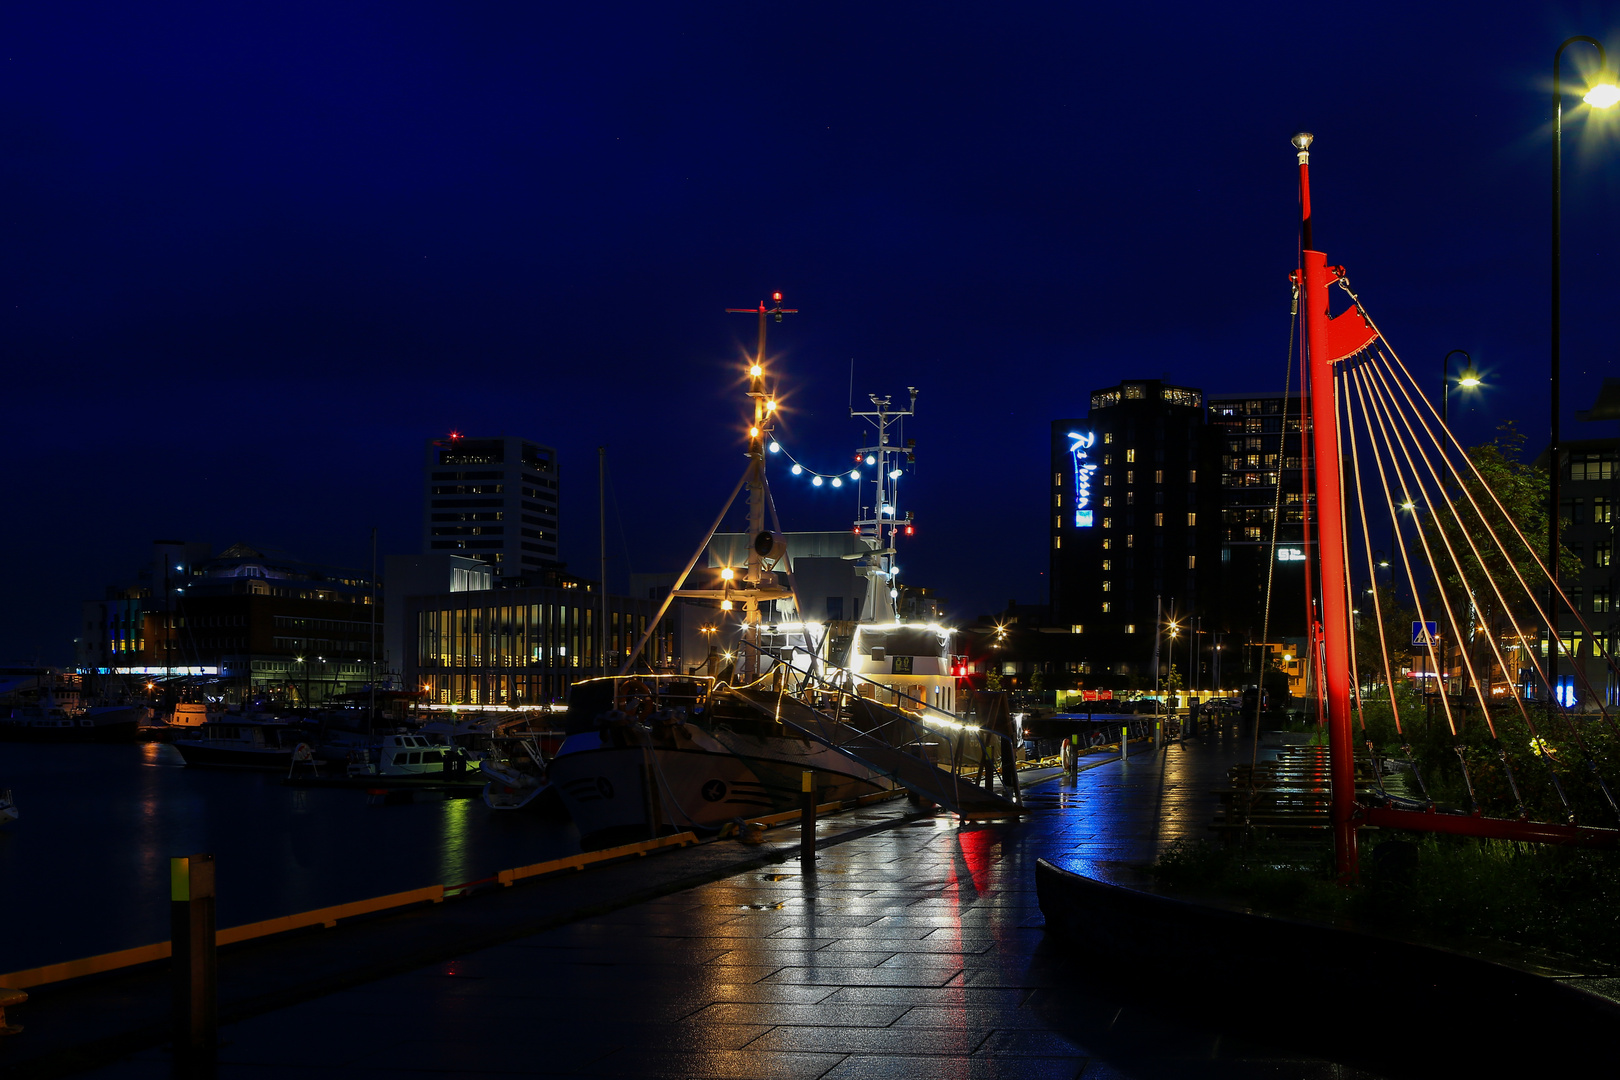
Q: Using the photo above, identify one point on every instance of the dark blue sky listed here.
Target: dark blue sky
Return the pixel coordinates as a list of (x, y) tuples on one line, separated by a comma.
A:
[(252, 257)]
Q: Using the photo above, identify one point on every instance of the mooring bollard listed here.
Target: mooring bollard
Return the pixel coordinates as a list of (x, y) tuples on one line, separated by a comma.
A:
[(807, 818), (1124, 742), (193, 964)]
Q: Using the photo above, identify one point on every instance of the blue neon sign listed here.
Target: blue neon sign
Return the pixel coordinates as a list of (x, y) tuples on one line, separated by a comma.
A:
[(1082, 478)]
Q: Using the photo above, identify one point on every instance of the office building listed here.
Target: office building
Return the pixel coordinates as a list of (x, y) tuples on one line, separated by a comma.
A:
[(494, 499), (1588, 489), (248, 623), (1257, 441), (522, 646)]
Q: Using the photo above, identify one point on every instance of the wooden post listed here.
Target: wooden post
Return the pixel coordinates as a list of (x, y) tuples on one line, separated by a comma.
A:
[(193, 965), (807, 818)]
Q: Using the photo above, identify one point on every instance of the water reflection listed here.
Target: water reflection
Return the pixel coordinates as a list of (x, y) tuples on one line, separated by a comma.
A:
[(102, 822)]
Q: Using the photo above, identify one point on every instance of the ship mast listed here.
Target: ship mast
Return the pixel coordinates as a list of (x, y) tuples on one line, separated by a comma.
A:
[(759, 436), (879, 528)]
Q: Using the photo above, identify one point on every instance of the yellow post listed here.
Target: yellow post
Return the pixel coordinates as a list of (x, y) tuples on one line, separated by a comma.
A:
[(807, 818)]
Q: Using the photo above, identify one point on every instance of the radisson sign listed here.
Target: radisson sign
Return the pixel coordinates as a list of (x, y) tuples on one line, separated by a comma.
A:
[(1082, 478)]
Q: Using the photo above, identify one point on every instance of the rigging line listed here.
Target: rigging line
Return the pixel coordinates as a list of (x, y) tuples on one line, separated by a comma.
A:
[(1467, 661), (1529, 548), (1579, 668), (1434, 568), (1372, 443), (1400, 539), (1341, 418), (1276, 517), (1467, 535), (1372, 573)]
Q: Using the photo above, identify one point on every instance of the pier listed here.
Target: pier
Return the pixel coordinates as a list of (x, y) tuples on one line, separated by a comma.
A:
[(914, 941)]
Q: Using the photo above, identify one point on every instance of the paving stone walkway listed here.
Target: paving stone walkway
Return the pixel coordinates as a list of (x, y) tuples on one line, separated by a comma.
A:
[(916, 951)]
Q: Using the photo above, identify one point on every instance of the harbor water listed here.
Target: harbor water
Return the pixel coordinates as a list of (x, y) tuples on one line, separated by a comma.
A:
[(84, 870)]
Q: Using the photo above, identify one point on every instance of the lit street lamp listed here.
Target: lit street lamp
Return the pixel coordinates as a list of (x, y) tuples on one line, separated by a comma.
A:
[(1601, 96), (1468, 380)]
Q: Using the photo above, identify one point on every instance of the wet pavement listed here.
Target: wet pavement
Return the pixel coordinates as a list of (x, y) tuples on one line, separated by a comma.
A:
[(913, 951)]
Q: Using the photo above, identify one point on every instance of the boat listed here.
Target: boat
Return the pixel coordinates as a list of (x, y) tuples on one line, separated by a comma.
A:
[(651, 754), (48, 721), (242, 743), (408, 757)]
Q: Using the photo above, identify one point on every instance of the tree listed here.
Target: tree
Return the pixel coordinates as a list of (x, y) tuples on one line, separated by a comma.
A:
[(1468, 559)]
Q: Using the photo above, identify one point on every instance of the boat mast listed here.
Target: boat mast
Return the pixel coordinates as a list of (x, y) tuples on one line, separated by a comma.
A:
[(759, 435), (879, 528)]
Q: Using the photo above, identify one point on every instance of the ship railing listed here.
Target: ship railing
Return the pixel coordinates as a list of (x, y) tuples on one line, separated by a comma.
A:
[(970, 750)]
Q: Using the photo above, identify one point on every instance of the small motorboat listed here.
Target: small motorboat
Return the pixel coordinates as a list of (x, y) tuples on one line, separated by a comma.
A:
[(520, 784), (243, 744), (409, 756)]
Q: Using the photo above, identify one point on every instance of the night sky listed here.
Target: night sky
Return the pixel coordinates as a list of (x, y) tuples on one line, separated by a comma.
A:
[(253, 256)]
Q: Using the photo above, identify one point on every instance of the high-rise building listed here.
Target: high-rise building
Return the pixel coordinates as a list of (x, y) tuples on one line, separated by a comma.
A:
[(1258, 442), (1133, 536), (494, 499)]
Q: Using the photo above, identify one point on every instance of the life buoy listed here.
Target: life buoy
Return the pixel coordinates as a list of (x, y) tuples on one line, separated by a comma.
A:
[(302, 752)]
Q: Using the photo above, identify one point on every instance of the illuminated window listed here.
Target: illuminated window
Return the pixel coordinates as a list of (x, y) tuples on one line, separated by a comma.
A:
[(1057, 498), (1192, 520), (1057, 542), (1251, 532), (1192, 476), (1107, 543), (1158, 476), (1158, 519), (1130, 476), (1130, 539), (1130, 498), (1108, 500), (1192, 562), (1108, 523), (1130, 628), (1108, 480), (1057, 479), (1108, 586), (1108, 459), (1602, 511), (1602, 553), (1108, 564), (1057, 521), (1108, 605), (1600, 600), (1108, 437), (1130, 455)]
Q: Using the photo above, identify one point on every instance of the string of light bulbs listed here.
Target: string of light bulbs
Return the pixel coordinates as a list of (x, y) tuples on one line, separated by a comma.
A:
[(817, 479)]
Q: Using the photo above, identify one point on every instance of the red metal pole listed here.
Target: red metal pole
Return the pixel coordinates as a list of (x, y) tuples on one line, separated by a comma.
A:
[(1330, 532)]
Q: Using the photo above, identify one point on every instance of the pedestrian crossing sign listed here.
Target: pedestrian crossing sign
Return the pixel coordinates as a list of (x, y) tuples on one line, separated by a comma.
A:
[(1425, 633)]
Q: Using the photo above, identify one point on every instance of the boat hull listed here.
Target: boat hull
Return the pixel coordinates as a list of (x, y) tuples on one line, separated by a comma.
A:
[(268, 759), (607, 788), (120, 726)]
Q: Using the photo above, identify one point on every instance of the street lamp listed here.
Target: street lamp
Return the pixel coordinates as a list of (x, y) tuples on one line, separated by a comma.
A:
[(1601, 96), (1468, 380)]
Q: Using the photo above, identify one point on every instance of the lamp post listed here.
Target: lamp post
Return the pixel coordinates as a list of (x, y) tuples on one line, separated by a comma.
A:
[(1601, 96), (1469, 380)]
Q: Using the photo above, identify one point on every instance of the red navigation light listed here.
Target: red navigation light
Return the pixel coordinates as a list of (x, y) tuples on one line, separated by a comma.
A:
[(910, 530), (857, 530), (777, 297)]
